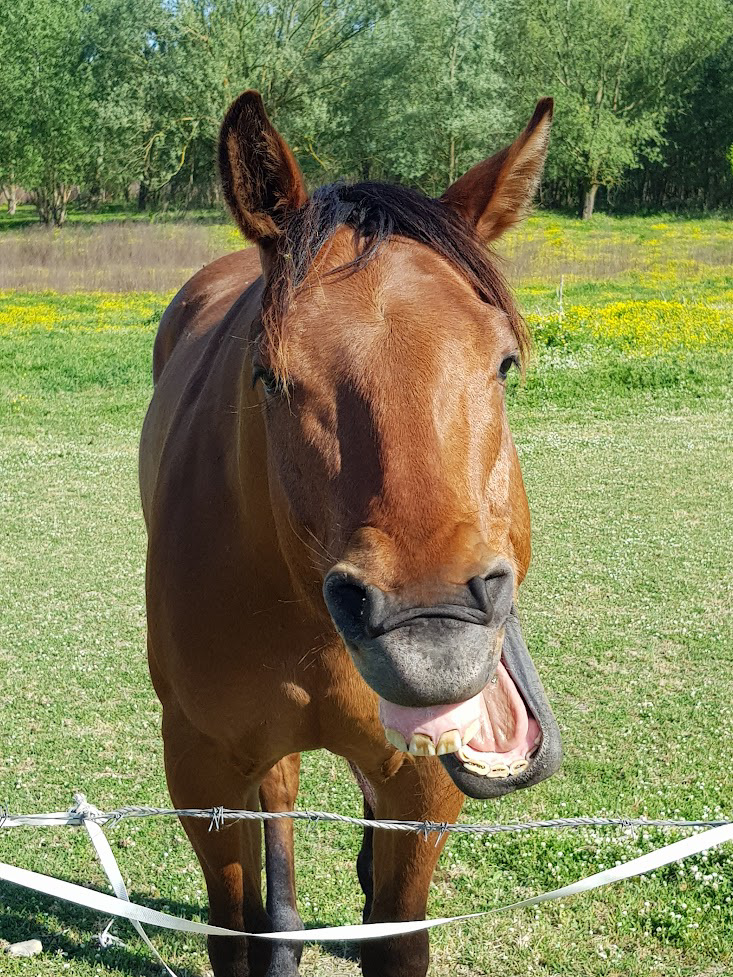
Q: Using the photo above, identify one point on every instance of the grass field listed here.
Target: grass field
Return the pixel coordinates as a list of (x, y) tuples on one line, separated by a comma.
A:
[(624, 426)]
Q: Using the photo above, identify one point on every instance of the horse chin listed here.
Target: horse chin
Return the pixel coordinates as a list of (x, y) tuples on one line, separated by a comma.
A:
[(502, 739)]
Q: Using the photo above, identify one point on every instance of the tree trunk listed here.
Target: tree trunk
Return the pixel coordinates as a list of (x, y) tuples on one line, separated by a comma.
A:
[(142, 196), (11, 195), (43, 205), (59, 202), (10, 191), (589, 201)]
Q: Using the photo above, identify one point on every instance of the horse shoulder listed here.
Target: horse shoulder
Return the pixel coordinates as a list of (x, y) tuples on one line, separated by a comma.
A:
[(193, 315)]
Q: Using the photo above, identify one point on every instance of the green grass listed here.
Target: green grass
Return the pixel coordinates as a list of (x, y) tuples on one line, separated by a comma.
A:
[(627, 611)]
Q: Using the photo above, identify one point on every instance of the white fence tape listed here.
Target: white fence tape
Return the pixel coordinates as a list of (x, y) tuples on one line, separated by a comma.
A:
[(112, 871), (120, 906), (91, 899)]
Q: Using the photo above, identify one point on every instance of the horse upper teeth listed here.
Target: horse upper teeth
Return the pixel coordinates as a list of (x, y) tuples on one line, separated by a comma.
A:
[(422, 745), (397, 740), (449, 742)]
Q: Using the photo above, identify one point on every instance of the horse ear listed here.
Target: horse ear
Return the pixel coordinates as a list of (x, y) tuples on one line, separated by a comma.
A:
[(259, 175), (496, 193)]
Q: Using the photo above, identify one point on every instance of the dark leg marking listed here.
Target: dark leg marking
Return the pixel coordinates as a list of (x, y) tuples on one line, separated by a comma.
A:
[(365, 858), (278, 793)]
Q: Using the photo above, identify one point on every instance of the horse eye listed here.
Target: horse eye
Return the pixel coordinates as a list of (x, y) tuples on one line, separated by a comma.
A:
[(506, 364), (268, 378)]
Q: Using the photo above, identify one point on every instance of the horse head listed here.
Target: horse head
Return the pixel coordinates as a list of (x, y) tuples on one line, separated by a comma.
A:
[(380, 356)]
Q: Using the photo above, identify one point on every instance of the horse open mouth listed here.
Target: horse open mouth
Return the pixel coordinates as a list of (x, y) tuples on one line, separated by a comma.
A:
[(501, 739)]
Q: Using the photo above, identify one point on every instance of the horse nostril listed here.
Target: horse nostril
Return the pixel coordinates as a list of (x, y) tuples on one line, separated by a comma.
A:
[(347, 601), (494, 591)]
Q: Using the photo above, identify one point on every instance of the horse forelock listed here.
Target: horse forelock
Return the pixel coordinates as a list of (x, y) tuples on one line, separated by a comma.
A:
[(376, 212)]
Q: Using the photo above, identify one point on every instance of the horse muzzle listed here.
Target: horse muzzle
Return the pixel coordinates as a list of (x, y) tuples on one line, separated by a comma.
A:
[(454, 679)]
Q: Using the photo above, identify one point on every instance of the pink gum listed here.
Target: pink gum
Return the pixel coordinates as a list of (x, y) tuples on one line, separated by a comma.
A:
[(433, 721)]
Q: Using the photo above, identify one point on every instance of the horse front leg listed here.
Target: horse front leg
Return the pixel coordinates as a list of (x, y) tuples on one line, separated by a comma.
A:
[(201, 774), (403, 863), (278, 792)]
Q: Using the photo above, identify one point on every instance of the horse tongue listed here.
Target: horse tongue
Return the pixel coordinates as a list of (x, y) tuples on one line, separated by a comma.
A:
[(505, 721), (432, 721)]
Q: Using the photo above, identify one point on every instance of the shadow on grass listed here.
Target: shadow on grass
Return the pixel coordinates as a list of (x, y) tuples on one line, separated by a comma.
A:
[(25, 915), (18, 222)]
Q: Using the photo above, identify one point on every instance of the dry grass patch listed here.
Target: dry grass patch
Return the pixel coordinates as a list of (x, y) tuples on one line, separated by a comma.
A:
[(112, 257)]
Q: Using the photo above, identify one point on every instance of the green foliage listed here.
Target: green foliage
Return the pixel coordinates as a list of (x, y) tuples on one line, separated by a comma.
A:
[(420, 100), (48, 128), (208, 53), (110, 99), (618, 72), (691, 168)]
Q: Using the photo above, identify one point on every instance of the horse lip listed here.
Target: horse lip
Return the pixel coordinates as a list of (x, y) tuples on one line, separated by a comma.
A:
[(445, 662), (546, 761), (454, 612)]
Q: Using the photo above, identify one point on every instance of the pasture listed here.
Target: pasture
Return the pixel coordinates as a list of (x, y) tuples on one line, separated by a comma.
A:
[(624, 427)]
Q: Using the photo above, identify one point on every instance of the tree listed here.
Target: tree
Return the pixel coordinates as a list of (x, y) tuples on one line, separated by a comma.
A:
[(617, 70), (101, 96), (420, 100), (48, 129), (291, 51), (126, 41), (12, 106)]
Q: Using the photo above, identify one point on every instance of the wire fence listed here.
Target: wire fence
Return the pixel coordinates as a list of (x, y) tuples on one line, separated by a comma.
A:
[(220, 817), (83, 814)]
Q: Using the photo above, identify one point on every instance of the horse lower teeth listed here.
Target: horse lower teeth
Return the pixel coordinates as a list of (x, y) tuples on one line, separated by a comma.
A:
[(495, 769)]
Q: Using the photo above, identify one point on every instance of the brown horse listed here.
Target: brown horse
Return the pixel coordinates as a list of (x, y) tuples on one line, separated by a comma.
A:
[(338, 526)]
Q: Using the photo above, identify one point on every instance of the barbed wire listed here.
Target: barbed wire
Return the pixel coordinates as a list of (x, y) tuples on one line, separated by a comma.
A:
[(221, 817)]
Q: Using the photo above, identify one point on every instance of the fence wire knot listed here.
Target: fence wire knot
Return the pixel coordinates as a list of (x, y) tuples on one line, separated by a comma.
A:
[(425, 829), (107, 939), (441, 830), (82, 809), (216, 822), (115, 817)]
